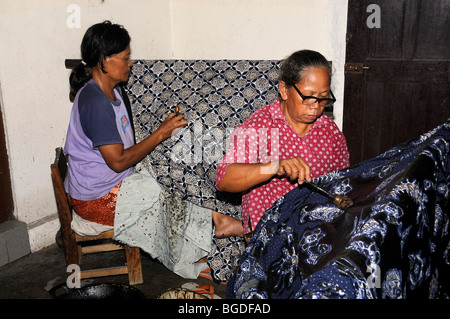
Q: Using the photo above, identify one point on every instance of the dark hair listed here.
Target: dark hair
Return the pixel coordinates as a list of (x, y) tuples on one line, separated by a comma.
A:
[(293, 68), (100, 40)]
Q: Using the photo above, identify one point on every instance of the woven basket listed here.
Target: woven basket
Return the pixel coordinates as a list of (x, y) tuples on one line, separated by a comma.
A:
[(181, 293)]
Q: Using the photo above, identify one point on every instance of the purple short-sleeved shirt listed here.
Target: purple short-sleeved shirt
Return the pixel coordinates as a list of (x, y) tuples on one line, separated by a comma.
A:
[(95, 120)]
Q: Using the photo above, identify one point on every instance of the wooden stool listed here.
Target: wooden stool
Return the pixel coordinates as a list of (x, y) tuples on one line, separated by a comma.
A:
[(75, 245)]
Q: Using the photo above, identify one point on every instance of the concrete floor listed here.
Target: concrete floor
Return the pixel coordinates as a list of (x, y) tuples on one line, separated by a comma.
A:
[(32, 276)]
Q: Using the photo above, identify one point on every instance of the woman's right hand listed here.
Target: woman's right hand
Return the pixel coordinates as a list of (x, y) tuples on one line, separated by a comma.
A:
[(294, 169), (171, 123), (241, 177), (119, 159)]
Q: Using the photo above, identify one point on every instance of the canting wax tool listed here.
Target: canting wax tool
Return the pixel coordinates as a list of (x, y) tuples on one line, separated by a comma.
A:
[(341, 201)]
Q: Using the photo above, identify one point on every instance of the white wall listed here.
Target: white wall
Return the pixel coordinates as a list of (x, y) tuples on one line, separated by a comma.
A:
[(262, 29), (36, 39)]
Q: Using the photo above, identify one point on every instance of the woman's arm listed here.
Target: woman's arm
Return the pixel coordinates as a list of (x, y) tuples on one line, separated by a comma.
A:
[(240, 177), (120, 159)]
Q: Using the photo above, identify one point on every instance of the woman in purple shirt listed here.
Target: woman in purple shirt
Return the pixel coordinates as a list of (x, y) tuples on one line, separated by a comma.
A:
[(100, 140)]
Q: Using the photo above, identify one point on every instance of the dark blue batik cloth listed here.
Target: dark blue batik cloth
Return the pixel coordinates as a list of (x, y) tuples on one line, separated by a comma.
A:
[(392, 243)]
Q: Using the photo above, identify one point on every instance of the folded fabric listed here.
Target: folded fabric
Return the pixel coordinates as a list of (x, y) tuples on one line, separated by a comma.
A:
[(176, 232), (85, 227)]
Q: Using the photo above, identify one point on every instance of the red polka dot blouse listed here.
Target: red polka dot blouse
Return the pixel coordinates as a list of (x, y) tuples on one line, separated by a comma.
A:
[(266, 136)]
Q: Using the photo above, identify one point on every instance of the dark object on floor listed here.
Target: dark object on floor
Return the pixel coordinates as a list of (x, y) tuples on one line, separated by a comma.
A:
[(98, 291)]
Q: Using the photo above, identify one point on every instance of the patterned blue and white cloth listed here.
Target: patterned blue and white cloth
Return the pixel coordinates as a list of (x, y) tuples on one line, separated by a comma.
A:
[(215, 96), (393, 243)]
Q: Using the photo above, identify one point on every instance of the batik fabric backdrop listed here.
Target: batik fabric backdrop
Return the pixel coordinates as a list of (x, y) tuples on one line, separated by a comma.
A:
[(393, 243), (215, 97)]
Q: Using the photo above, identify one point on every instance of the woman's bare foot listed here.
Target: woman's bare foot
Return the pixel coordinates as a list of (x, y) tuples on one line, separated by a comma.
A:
[(227, 226)]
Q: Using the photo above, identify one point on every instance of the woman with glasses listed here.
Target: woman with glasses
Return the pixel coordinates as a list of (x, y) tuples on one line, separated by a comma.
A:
[(286, 142)]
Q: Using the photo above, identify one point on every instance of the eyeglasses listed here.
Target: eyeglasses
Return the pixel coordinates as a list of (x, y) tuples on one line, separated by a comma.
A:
[(310, 100)]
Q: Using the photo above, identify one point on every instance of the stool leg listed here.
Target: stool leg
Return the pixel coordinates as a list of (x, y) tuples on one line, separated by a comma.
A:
[(134, 266), (71, 249)]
